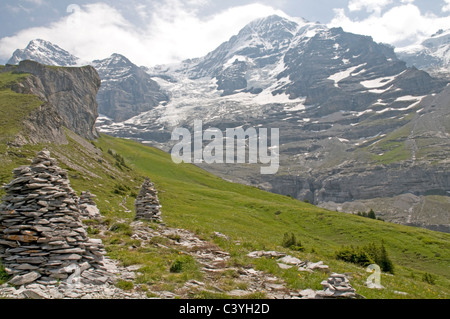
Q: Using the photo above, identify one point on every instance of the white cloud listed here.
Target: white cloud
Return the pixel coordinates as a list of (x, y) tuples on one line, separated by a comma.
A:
[(173, 31), (446, 7), (181, 32), (370, 5), (86, 33), (401, 25)]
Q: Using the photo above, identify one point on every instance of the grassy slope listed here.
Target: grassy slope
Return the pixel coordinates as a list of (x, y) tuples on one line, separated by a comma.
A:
[(198, 201), (13, 107)]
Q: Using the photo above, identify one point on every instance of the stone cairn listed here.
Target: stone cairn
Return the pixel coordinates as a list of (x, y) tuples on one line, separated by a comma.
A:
[(42, 238), (337, 286), (86, 198), (88, 208), (147, 203)]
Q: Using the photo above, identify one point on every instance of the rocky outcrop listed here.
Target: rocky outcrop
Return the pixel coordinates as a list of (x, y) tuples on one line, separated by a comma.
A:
[(69, 100), (42, 238), (353, 183), (127, 90)]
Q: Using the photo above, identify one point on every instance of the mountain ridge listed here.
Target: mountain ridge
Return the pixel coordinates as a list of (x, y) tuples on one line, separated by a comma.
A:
[(432, 55), (127, 90), (331, 92), (46, 53)]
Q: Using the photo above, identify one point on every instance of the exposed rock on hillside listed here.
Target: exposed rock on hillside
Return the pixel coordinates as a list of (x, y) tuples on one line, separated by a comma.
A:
[(68, 101), (127, 90)]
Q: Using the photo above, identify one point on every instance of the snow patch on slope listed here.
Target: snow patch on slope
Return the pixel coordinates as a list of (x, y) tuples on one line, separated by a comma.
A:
[(339, 76)]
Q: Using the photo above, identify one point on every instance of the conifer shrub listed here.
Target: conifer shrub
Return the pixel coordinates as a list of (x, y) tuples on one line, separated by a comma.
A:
[(355, 255), (289, 241), (371, 214), (428, 278), (366, 255)]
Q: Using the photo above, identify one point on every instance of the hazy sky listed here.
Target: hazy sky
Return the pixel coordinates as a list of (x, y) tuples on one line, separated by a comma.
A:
[(153, 32)]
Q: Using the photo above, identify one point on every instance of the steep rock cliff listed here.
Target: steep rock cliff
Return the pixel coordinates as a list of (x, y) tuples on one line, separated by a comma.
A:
[(68, 100)]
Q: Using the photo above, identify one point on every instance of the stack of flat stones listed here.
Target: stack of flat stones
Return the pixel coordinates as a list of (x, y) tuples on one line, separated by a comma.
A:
[(147, 204), (87, 198), (42, 238), (337, 286), (88, 207)]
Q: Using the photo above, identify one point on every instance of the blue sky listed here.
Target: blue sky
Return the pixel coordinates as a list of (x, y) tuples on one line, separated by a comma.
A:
[(153, 32)]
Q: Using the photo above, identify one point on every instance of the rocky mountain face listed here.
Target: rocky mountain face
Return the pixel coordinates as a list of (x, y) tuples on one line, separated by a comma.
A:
[(433, 55), (126, 90), (355, 121), (68, 101), (44, 52)]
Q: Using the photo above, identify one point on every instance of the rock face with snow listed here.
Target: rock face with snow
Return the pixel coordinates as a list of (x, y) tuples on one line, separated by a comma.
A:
[(126, 90), (298, 76), (355, 121), (432, 55), (46, 53)]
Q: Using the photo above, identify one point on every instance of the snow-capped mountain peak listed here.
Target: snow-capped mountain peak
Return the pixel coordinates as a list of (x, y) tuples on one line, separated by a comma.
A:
[(115, 59), (46, 53), (432, 55)]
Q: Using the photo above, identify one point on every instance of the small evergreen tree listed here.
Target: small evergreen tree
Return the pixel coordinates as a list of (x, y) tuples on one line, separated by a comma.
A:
[(428, 278), (355, 255), (366, 255), (289, 241), (384, 261)]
